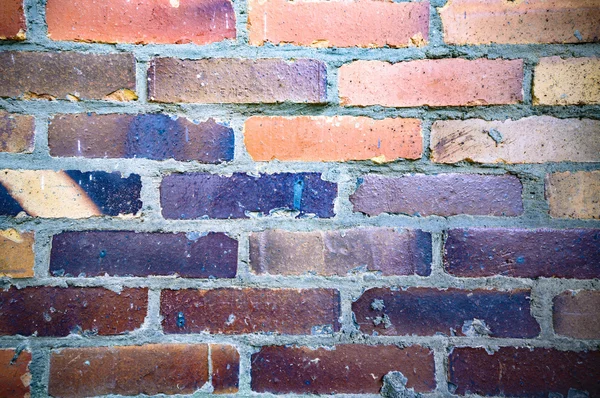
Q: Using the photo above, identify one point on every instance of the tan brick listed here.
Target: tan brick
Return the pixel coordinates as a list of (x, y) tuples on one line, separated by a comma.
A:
[(576, 314), (16, 254), (571, 81), (16, 132), (574, 194)]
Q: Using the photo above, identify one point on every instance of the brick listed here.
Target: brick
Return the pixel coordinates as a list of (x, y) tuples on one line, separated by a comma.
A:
[(362, 23), (12, 20), (239, 311), (70, 194), (225, 368), (443, 195), (574, 194), (523, 253), (232, 80), (150, 136), (382, 250), (14, 373), (129, 370), (536, 139), (524, 372), (198, 195), (55, 311), (432, 82), (17, 259), (118, 21), (63, 75), (16, 133), (338, 138), (347, 368), (576, 314), (127, 253), (571, 81), (520, 22), (428, 311)]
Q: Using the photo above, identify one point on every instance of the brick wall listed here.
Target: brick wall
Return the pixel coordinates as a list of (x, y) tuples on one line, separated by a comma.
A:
[(299, 197)]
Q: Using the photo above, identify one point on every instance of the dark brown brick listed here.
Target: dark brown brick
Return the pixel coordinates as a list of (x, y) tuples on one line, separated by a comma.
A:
[(151, 136), (237, 311), (128, 370), (62, 74), (443, 195), (576, 314), (524, 372), (232, 80), (16, 132), (14, 373), (12, 20), (427, 311), (385, 250), (127, 253), (225, 368), (55, 311), (348, 368), (526, 253)]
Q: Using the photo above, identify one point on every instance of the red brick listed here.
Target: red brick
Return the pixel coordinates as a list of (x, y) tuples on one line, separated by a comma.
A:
[(574, 194), (12, 20), (63, 75), (382, 250), (524, 372), (520, 22), (233, 80), (225, 368), (443, 195), (571, 81), (14, 376), (427, 312), (433, 82), (347, 368), (16, 132), (141, 22), (338, 138), (576, 314), (237, 311), (54, 311), (536, 139), (362, 23)]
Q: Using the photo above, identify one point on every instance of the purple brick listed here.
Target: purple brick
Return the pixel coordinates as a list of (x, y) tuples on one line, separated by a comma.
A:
[(126, 253), (443, 195), (525, 253), (197, 195)]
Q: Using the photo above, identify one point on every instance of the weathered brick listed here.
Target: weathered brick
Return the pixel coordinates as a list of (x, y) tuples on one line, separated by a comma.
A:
[(151, 136), (197, 195), (338, 138), (225, 368), (384, 250), (362, 23), (55, 311), (118, 21), (433, 82), (574, 194), (427, 311), (12, 20), (127, 253), (347, 368), (71, 194), (443, 195), (576, 314), (571, 81), (520, 22), (233, 80), (536, 139), (525, 253), (16, 132), (237, 311), (17, 258), (525, 372), (63, 75), (14, 373)]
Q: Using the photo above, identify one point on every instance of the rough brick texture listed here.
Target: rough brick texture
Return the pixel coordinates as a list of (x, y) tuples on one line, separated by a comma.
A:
[(574, 194), (17, 259), (16, 132), (12, 20), (14, 373), (117, 21), (444, 82), (339, 138), (570, 81), (576, 314)]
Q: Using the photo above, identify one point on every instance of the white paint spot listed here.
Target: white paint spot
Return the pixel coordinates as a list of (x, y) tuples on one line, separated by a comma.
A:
[(42, 182), (226, 21), (79, 146), (187, 135), (174, 3)]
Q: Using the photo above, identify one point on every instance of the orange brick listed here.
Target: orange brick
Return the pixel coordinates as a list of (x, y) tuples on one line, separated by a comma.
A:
[(16, 254), (440, 82), (338, 138), (520, 22), (14, 377), (347, 23), (574, 195), (571, 81), (12, 20), (16, 132)]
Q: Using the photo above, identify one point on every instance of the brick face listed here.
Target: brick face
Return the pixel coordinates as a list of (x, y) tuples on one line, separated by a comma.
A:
[(570, 81), (17, 258), (16, 132), (576, 314), (12, 20), (574, 194), (15, 378)]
